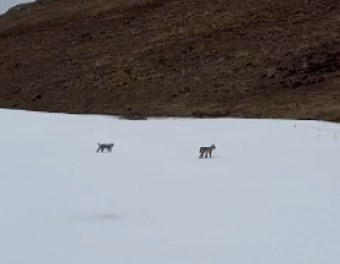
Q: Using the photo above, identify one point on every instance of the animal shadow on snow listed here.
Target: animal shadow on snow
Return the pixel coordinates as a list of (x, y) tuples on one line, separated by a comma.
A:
[(94, 217), (212, 157)]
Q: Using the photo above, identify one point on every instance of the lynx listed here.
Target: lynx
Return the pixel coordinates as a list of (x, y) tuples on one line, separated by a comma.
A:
[(101, 147), (206, 150)]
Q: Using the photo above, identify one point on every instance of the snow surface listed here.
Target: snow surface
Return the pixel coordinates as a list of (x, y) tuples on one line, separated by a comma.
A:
[(270, 194)]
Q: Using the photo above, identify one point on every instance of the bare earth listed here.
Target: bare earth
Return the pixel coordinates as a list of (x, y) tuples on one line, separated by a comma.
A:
[(249, 58)]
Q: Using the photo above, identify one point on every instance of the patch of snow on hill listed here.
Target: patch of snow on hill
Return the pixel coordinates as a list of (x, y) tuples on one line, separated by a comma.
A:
[(269, 194)]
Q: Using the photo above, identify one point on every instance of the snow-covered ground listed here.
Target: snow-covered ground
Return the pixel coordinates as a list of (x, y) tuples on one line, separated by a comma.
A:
[(269, 195)]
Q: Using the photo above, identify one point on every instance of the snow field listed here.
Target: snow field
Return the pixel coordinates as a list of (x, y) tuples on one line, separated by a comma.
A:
[(270, 194)]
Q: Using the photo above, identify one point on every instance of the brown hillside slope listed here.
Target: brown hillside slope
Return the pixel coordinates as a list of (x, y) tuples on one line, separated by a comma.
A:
[(249, 58)]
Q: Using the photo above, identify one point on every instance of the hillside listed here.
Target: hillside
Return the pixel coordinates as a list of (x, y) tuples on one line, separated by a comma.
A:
[(250, 58)]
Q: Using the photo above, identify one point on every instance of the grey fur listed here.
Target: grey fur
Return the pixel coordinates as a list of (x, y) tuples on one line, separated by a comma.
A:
[(102, 147), (206, 151)]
